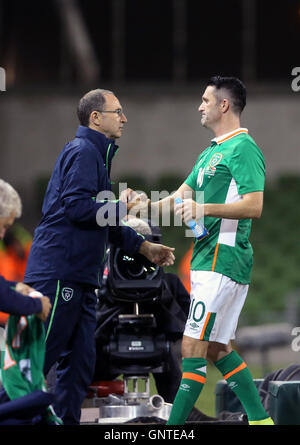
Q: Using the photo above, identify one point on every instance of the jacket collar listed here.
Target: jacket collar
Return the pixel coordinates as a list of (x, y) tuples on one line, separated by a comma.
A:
[(107, 147)]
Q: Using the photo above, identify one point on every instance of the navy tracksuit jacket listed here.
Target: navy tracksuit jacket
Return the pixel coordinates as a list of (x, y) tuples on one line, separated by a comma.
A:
[(67, 258)]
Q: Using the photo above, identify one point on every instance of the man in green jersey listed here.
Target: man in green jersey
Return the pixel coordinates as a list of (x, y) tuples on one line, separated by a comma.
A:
[(225, 188)]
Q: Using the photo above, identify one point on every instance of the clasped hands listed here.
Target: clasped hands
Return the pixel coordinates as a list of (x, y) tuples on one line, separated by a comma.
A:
[(134, 200), (187, 210)]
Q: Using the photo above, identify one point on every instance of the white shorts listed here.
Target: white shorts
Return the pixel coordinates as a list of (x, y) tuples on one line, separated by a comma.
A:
[(216, 304)]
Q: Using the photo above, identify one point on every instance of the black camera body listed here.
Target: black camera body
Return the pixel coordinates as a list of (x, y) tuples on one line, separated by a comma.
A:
[(135, 346), (133, 278)]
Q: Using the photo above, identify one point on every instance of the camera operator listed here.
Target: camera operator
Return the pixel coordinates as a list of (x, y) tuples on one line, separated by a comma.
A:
[(170, 312)]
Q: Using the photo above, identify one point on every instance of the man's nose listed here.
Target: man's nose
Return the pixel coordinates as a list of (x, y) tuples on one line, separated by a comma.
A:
[(123, 118)]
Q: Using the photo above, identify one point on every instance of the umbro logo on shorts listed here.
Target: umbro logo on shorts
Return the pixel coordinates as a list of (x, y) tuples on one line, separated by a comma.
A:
[(194, 325)]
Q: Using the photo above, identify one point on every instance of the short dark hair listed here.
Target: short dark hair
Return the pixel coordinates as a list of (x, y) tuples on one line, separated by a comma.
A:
[(94, 100), (236, 89)]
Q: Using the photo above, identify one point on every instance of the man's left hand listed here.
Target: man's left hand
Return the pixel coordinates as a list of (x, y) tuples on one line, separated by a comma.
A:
[(189, 209), (158, 253)]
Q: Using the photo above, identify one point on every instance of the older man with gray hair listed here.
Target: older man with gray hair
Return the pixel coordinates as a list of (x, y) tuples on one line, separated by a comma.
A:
[(10, 206), (14, 297)]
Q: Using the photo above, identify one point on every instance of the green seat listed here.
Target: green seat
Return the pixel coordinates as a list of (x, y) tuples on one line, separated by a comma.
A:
[(284, 402)]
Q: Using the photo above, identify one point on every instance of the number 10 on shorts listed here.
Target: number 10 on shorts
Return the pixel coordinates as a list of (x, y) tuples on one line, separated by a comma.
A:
[(197, 311), (199, 324)]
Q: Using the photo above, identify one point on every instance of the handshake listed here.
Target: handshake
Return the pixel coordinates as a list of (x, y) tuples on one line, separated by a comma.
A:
[(136, 202), (181, 202)]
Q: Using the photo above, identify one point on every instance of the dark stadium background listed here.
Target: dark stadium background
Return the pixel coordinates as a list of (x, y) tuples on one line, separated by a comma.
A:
[(153, 36)]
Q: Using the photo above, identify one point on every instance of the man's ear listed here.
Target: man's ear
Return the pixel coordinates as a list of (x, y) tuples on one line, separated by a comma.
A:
[(224, 105), (95, 118)]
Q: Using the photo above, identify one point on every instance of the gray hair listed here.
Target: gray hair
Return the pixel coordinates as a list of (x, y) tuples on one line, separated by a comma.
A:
[(94, 100), (10, 200), (139, 225)]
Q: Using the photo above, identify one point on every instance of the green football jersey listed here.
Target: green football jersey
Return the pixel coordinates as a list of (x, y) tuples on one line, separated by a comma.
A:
[(23, 359), (232, 166), (22, 362)]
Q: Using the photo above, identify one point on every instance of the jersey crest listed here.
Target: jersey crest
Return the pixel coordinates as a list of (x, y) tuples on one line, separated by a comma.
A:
[(214, 160)]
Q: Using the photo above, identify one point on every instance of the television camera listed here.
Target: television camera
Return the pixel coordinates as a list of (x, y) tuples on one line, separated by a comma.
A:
[(133, 345)]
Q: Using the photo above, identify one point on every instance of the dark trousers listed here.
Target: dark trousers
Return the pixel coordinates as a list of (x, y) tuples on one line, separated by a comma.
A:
[(70, 344)]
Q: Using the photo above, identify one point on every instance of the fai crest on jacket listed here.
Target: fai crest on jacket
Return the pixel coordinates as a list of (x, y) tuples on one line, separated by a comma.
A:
[(67, 293)]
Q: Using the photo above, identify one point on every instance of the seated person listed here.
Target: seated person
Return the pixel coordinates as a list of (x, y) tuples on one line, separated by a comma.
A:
[(11, 300), (23, 397)]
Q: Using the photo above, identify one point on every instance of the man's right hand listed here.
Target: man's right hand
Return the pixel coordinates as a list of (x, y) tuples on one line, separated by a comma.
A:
[(46, 306)]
